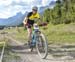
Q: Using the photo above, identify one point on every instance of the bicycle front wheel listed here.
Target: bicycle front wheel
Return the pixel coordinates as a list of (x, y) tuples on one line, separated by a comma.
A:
[(42, 46)]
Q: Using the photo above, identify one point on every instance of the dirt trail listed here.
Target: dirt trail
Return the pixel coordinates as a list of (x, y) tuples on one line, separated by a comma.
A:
[(56, 54)]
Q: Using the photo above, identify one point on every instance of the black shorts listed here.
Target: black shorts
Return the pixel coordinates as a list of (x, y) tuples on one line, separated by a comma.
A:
[(30, 23)]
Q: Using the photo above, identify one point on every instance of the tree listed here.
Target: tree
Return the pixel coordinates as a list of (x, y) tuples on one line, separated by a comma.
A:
[(63, 12)]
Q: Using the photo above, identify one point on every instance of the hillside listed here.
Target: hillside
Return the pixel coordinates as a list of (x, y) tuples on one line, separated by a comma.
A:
[(63, 12)]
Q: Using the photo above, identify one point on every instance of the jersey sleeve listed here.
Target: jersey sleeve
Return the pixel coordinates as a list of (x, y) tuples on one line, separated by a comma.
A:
[(38, 15), (29, 14)]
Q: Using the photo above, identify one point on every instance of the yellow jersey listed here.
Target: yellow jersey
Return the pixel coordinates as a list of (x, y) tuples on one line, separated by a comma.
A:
[(32, 16)]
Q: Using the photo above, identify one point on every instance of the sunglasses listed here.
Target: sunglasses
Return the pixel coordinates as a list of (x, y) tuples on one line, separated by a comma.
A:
[(34, 10)]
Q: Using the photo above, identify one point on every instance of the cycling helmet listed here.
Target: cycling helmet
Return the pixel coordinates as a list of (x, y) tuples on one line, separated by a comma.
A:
[(35, 8)]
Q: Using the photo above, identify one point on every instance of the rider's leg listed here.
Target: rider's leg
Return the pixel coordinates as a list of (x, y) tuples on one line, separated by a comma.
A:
[(29, 28), (29, 34)]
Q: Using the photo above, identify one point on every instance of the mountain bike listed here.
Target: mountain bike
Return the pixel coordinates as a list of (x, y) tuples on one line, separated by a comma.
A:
[(39, 41)]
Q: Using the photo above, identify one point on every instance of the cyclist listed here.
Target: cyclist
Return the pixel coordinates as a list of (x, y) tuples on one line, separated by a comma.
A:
[(29, 20)]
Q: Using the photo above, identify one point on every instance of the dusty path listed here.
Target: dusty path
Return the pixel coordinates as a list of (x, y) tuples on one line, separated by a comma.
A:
[(56, 54)]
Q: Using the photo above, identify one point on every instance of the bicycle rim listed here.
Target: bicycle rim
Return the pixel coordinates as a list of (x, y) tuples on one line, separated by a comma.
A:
[(42, 46)]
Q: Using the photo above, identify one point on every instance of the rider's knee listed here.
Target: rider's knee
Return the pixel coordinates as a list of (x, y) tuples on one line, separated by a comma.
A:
[(29, 31)]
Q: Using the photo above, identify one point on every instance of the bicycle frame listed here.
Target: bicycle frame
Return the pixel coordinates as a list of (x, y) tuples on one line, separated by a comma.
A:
[(35, 34), (35, 42)]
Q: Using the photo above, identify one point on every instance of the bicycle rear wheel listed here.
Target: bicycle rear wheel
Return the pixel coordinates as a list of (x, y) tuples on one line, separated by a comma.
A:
[(42, 46)]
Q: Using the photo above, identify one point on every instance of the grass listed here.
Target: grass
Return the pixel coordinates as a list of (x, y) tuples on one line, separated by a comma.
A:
[(20, 35), (62, 33), (1, 46)]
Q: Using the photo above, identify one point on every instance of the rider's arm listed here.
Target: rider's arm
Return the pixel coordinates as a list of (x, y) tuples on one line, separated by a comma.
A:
[(25, 20), (27, 17)]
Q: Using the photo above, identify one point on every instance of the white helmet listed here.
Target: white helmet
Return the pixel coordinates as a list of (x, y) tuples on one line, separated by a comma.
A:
[(35, 8)]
